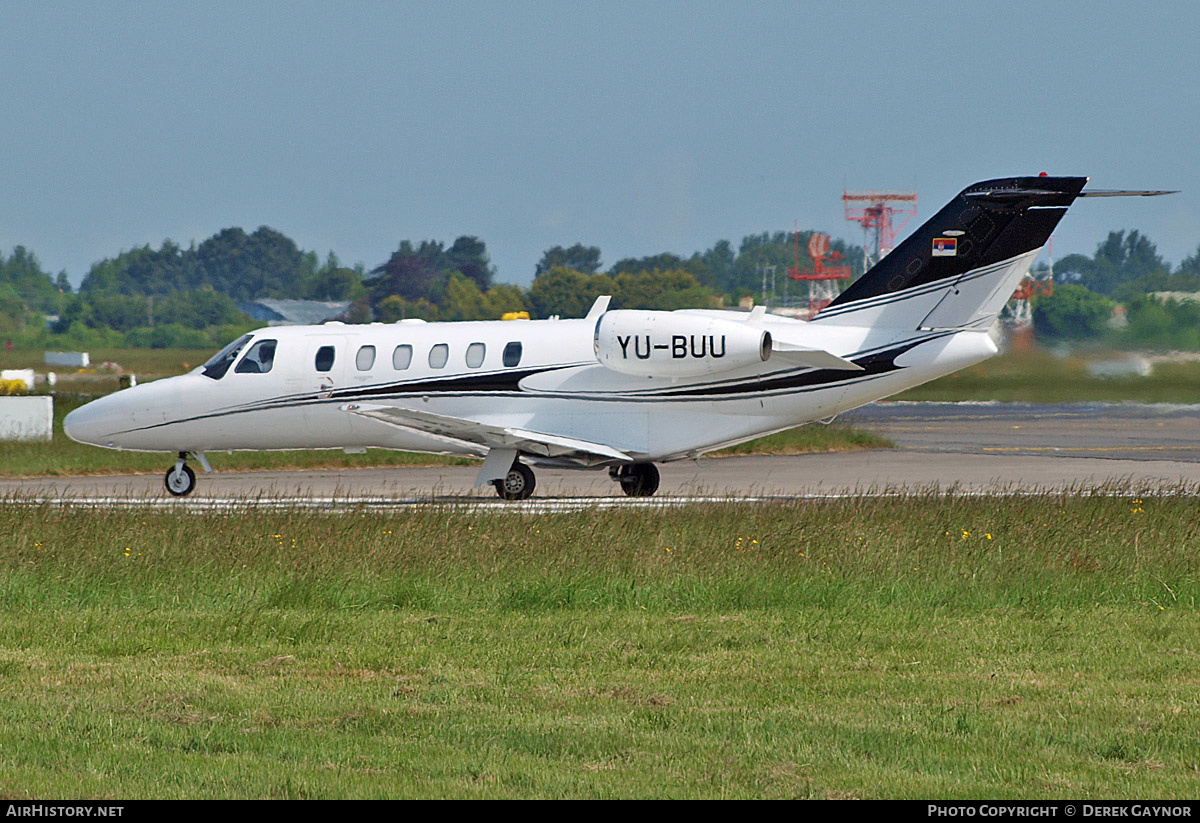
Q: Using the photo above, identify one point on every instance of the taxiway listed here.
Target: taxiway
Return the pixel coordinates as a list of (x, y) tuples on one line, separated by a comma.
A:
[(968, 448)]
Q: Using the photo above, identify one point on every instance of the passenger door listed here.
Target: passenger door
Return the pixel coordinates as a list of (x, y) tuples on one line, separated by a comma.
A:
[(321, 372)]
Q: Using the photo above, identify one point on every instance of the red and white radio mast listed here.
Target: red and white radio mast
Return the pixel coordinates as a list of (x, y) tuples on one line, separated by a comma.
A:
[(821, 278), (875, 211)]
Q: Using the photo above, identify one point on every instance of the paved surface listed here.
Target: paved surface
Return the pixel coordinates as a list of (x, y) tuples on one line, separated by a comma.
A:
[(974, 448), (1127, 431)]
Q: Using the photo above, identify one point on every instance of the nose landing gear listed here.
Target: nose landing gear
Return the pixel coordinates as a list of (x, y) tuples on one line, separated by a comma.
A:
[(180, 479)]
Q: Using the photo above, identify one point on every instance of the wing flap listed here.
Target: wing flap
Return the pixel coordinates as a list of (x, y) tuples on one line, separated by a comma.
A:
[(462, 430)]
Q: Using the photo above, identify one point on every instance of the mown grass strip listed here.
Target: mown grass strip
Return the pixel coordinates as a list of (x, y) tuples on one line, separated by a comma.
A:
[(920, 646)]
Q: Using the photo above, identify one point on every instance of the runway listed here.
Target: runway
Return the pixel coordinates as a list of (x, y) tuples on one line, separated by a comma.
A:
[(1129, 431), (964, 448)]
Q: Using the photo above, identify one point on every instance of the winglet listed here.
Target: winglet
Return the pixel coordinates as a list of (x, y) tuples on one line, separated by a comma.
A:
[(599, 307)]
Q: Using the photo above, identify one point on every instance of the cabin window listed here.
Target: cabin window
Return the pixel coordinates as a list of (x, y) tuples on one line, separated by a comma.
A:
[(475, 353), (365, 358), (220, 362), (439, 355), (402, 357), (259, 359), (512, 354), (325, 358)]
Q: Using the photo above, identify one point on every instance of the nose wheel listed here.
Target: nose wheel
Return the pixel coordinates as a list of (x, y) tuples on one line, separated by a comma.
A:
[(180, 479)]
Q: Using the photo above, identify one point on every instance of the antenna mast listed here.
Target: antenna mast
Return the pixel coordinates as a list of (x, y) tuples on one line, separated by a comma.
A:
[(875, 211)]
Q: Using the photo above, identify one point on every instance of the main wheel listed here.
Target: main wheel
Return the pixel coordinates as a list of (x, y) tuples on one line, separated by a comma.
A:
[(180, 480), (638, 479), (518, 484)]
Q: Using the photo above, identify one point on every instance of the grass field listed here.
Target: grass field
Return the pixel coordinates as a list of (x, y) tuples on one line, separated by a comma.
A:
[(1039, 376), (918, 646)]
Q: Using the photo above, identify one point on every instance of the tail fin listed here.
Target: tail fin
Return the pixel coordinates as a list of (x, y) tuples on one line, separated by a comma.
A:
[(959, 269)]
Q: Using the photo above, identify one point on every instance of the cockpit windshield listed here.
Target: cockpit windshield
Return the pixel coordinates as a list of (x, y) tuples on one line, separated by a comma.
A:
[(220, 362), (259, 359)]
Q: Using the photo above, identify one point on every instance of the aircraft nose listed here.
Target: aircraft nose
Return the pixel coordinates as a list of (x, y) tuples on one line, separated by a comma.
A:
[(90, 424)]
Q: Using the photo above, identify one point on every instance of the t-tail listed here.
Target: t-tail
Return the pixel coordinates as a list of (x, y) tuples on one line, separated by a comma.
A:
[(959, 269)]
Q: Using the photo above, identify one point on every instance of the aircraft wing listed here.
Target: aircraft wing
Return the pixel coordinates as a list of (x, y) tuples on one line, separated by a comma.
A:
[(501, 444)]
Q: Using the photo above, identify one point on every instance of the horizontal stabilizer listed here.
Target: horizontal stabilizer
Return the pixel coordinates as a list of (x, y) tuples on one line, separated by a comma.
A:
[(814, 358), (1124, 192)]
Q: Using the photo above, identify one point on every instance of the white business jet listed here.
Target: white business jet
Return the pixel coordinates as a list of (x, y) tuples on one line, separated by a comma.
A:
[(617, 389)]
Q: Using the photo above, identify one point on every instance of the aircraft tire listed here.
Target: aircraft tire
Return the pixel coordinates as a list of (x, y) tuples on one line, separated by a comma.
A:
[(639, 480), (518, 484), (182, 482)]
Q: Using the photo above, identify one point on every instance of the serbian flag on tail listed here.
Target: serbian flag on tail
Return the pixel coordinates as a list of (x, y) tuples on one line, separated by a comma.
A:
[(945, 246)]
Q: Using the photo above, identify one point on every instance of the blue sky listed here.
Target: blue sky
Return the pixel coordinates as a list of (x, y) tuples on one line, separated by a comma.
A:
[(637, 127)]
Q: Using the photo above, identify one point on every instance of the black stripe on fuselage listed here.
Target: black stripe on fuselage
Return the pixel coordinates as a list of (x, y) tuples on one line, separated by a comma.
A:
[(875, 364)]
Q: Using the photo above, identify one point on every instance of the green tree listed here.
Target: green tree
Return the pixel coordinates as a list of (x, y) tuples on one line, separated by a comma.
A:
[(464, 300), (501, 299), (656, 262), (169, 336), (1072, 312), (394, 307), (1165, 324), (412, 272), (566, 292), (718, 262), (661, 290), (422, 272), (142, 271), (333, 281), (468, 256), (262, 264), (1125, 265), (199, 309), (14, 315), (116, 311), (22, 273), (779, 249), (243, 266), (580, 258)]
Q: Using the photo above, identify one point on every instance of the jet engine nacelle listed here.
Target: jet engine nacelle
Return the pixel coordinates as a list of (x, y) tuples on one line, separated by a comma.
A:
[(676, 344)]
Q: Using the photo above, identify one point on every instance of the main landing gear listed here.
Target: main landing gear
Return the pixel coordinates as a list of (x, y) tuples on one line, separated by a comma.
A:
[(181, 480), (518, 484), (636, 479)]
